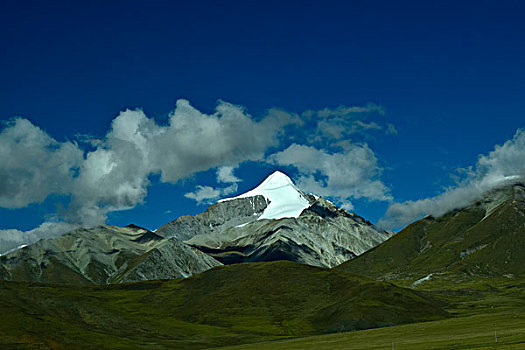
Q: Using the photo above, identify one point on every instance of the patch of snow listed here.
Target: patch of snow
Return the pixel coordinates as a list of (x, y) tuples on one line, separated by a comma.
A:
[(285, 200), (14, 249), (421, 280), (469, 251), (329, 202), (509, 179)]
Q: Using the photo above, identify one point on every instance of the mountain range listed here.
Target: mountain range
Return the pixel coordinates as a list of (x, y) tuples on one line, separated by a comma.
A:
[(274, 221), (218, 279), (102, 255)]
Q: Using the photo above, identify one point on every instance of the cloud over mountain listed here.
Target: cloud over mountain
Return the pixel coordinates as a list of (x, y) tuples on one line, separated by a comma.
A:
[(330, 159), (34, 165), (13, 238), (350, 172), (112, 173), (208, 194), (505, 164), (115, 174)]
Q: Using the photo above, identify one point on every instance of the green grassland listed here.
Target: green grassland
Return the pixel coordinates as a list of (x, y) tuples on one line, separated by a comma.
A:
[(277, 305), (483, 309), (235, 304)]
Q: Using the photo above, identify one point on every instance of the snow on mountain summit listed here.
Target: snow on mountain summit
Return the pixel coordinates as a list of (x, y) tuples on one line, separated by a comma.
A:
[(285, 199)]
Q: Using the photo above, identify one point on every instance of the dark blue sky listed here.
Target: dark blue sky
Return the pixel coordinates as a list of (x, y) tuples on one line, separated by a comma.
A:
[(449, 74)]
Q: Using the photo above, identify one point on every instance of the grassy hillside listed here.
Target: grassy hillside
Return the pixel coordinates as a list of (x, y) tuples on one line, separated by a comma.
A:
[(462, 243), (485, 310), (474, 258), (228, 305)]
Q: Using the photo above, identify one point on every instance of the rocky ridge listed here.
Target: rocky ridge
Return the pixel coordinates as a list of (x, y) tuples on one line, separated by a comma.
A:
[(274, 221), (104, 254), (279, 222)]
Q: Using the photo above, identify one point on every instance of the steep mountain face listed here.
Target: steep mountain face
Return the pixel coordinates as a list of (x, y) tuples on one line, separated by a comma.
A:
[(275, 221), (278, 222), (104, 254), (486, 238), (217, 218)]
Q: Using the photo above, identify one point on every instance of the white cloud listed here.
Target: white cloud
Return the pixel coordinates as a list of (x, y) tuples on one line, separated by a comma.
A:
[(208, 194), (350, 173), (368, 126), (329, 126), (33, 165), (225, 175), (113, 174), (204, 194), (343, 111), (196, 142), (506, 163), (12, 238)]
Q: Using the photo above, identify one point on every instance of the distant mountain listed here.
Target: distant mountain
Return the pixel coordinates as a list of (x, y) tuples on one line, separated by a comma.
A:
[(485, 239), (104, 254), (277, 221)]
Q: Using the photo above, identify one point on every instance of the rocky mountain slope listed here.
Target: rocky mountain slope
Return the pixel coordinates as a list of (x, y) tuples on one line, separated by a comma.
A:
[(104, 254), (485, 239), (217, 218), (277, 221)]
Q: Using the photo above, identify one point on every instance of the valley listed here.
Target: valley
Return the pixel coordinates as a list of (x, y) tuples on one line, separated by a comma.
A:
[(488, 314)]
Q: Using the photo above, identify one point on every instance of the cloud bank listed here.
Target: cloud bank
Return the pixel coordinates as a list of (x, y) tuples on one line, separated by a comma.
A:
[(112, 173), (115, 175), (329, 163), (12, 238), (506, 163), (326, 161), (34, 165), (351, 172)]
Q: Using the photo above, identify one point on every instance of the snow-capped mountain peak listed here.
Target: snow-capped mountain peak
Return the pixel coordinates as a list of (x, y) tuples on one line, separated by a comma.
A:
[(274, 181), (285, 200)]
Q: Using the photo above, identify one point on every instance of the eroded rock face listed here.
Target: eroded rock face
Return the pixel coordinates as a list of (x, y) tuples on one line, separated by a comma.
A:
[(277, 221), (104, 254), (217, 218), (274, 221), (323, 235), (167, 260)]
